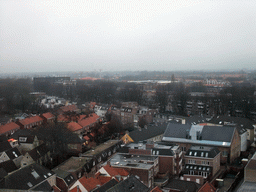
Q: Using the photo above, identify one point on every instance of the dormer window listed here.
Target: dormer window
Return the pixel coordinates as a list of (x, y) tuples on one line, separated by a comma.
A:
[(190, 153), (22, 139), (206, 155), (195, 153), (202, 154)]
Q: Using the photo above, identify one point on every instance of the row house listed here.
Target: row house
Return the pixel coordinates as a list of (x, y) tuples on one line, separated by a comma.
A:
[(28, 142), (113, 172), (48, 118), (144, 166), (40, 155), (170, 156), (64, 179), (88, 122), (30, 122), (12, 154), (6, 168), (71, 108), (101, 153), (9, 128), (201, 163), (76, 166), (30, 178), (226, 139), (132, 184), (105, 178)]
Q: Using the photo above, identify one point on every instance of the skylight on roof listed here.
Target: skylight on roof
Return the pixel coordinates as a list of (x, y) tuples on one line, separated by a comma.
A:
[(35, 174), (29, 184)]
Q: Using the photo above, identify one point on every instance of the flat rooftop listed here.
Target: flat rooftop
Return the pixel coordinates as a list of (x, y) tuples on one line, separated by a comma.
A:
[(155, 146), (132, 161)]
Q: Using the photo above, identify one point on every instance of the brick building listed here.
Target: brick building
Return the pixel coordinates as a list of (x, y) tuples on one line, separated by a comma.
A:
[(144, 166), (201, 162)]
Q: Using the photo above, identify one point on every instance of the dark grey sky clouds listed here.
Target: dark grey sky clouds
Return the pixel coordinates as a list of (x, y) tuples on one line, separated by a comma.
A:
[(87, 35)]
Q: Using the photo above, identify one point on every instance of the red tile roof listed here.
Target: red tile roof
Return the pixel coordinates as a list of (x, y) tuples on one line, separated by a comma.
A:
[(93, 118), (156, 189), (73, 126), (8, 127), (74, 190), (207, 187), (69, 108), (30, 120), (48, 115), (86, 138), (62, 118), (113, 171), (89, 78), (103, 179), (90, 183)]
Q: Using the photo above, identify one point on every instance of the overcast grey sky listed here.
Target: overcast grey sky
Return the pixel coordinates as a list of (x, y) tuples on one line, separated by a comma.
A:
[(88, 35)]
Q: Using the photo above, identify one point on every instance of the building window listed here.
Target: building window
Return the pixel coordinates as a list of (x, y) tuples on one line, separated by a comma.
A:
[(23, 139), (191, 161), (224, 153), (183, 148)]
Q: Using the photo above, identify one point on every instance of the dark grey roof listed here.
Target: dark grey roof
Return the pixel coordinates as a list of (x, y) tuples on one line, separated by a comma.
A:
[(228, 120), (176, 130), (217, 133), (106, 186), (203, 151), (182, 185), (3, 173), (147, 133), (69, 179), (8, 166), (26, 139), (38, 152), (45, 186), (13, 153), (131, 184), (4, 146), (197, 119), (21, 132), (27, 177), (159, 151)]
